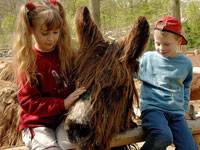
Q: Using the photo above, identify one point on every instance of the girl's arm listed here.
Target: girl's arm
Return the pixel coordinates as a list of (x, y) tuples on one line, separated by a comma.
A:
[(32, 102), (36, 103)]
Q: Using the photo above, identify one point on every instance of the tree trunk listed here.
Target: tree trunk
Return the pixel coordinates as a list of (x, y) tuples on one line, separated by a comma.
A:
[(95, 11), (176, 8)]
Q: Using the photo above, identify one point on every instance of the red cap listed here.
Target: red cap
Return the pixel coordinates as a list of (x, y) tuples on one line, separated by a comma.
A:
[(170, 24)]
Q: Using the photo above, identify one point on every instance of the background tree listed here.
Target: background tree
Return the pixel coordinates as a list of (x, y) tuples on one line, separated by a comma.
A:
[(176, 9), (8, 10), (95, 11), (191, 23)]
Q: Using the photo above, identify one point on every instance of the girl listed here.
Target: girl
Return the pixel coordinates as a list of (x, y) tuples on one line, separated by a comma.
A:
[(43, 72)]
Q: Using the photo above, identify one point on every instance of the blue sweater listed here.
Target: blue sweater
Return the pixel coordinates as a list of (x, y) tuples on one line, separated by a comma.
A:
[(166, 82)]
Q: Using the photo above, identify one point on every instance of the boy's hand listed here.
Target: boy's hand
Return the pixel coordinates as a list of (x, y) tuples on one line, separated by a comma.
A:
[(192, 114), (71, 99), (186, 116)]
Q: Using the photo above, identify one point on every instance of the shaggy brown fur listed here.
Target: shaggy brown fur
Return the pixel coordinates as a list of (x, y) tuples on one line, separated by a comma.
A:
[(195, 87), (9, 107), (9, 114), (106, 70), (6, 70)]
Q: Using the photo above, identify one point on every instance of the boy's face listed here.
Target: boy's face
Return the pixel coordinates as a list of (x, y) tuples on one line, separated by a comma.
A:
[(166, 43)]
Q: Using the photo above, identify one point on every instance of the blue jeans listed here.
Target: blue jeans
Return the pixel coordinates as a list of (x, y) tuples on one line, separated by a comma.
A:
[(164, 128)]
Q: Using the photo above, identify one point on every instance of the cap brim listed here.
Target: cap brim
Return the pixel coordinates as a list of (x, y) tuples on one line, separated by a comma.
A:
[(184, 41)]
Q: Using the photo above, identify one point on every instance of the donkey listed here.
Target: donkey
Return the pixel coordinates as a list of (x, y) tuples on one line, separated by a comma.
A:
[(106, 70)]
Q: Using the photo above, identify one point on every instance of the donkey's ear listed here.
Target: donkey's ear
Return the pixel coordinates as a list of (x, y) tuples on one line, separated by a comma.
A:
[(136, 41), (87, 32)]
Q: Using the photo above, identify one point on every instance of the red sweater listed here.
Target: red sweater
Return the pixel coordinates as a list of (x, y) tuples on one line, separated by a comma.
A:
[(43, 104)]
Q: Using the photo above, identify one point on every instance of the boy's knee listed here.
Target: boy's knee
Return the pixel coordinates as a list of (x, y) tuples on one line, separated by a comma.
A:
[(157, 141), (163, 139)]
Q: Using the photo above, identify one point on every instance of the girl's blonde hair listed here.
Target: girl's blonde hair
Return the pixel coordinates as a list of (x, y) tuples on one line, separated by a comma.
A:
[(53, 16)]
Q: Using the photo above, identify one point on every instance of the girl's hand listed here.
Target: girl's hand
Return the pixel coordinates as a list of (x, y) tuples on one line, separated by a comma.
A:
[(71, 99)]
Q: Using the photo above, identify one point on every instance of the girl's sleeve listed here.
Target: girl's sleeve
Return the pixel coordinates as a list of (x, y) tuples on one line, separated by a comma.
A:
[(32, 102), (187, 84)]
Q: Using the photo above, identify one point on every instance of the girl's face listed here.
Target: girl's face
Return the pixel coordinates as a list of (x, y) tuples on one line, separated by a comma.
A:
[(45, 39), (166, 44)]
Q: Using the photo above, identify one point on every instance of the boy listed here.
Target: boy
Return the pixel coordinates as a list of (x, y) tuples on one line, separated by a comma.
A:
[(166, 77)]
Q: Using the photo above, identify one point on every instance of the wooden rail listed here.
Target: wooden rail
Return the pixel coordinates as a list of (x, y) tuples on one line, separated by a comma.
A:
[(138, 135)]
